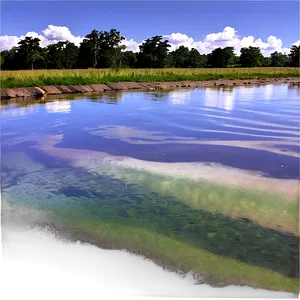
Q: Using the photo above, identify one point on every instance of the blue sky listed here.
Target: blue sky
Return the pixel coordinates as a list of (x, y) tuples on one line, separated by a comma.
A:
[(139, 20)]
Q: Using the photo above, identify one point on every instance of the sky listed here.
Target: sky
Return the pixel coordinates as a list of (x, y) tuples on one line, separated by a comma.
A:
[(204, 25)]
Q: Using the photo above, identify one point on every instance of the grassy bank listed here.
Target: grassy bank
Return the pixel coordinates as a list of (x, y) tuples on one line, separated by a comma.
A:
[(28, 78)]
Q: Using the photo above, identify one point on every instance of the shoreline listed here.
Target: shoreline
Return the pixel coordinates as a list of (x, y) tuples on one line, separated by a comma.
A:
[(42, 92)]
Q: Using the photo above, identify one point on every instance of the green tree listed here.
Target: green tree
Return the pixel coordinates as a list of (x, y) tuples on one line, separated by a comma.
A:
[(55, 56), (129, 59), (279, 60), (70, 55), (89, 50), (251, 57), (29, 53), (180, 57), (62, 55), (294, 56), (221, 58), (153, 53), (237, 62), (10, 59), (3, 57), (266, 62), (111, 49), (196, 60)]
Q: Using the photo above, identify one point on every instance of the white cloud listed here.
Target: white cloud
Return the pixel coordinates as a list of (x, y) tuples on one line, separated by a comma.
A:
[(297, 43), (54, 34), (228, 34), (7, 42), (178, 39), (51, 35), (131, 45), (226, 38)]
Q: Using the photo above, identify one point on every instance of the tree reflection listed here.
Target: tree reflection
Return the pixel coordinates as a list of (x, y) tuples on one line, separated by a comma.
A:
[(109, 98), (157, 96)]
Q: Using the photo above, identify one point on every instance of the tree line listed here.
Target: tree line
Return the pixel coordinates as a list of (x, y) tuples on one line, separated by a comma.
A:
[(104, 49)]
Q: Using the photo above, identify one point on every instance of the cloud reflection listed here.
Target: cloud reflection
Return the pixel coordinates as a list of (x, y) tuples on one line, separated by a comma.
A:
[(12, 112), (63, 107), (180, 97), (220, 98), (268, 92)]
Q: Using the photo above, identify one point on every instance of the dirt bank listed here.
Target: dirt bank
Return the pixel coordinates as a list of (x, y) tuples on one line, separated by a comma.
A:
[(39, 92)]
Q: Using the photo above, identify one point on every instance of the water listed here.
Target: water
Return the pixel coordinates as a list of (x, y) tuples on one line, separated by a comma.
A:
[(203, 180)]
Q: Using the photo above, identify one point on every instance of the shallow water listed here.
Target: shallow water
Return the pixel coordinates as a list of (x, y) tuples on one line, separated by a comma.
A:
[(103, 169)]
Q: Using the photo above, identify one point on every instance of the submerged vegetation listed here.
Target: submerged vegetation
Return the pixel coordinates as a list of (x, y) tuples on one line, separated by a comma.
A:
[(116, 257), (146, 214), (28, 78)]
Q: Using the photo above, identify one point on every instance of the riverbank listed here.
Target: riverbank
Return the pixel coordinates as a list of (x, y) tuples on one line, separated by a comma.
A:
[(42, 91), (31, 78)]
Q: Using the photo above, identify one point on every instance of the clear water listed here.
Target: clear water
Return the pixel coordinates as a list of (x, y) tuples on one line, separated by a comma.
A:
[(57, 171)]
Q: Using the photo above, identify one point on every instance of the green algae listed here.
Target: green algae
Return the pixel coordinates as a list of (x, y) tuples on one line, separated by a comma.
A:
[(103, 199), (265, 208), (142, 219)]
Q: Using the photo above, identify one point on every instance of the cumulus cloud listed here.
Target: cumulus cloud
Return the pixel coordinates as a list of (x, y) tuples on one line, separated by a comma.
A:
[(297, 43), (131, 45), (179, 39), (51, 35), (226, 38)]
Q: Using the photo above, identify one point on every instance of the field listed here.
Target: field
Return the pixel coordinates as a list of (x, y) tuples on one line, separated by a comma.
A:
[(28, 78)]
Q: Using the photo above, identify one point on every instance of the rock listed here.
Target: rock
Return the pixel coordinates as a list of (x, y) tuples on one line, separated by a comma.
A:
[(100, 87), (152, 85), (52, 90), (117, 86), (24, 92), (133, 85), (11, 93), (39, 92), (66, 89), (87, 88), (81, 88)]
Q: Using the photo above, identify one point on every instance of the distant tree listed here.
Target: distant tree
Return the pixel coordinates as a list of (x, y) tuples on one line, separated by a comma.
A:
[(70, 55), (111, 49), (221, 58), (294, 56), (180, 57), (266, 62), (89, 50), (237, 61), (279, 60), (3, 57), (62, 55), (129, 59), (251, 57), (196, 60), (10, 59), (153, 53), (29, 53)]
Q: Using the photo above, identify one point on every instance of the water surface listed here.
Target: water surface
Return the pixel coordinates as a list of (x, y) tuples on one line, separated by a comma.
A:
[(104, 169)]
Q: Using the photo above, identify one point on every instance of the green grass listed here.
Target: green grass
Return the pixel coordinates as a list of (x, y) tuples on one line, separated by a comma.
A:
[(28, 78)]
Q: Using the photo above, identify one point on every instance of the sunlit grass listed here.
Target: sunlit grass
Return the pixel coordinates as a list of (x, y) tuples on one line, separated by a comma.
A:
[(27, 78)]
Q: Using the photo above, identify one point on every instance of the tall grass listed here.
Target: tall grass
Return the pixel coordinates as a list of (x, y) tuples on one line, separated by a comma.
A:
[(27, 78)]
